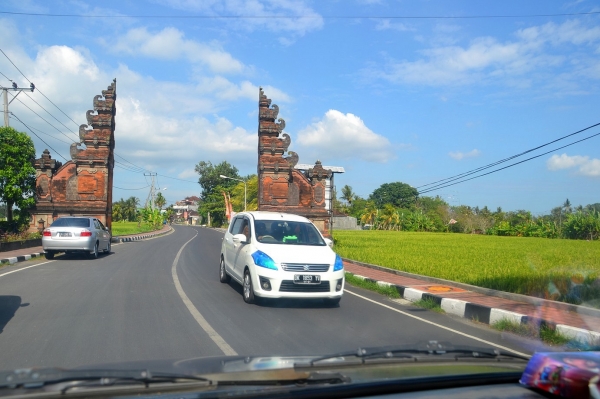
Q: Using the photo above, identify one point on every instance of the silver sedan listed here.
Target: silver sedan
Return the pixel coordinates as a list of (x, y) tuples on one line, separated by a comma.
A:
[(76, 234)]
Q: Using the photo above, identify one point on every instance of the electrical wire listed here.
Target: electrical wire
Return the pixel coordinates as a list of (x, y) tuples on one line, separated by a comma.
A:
[(48, 112), (511, 165), (300, 16), (57, 129), (121, 188), (49, 146), (459, 176)]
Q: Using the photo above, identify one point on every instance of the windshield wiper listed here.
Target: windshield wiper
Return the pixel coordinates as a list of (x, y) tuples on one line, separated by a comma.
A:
[(38, 378), (419, 351)]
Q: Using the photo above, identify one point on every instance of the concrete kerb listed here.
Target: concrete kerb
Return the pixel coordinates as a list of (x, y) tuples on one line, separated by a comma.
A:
[(484, 314), (584, 310), (141, 236), (20, 258)]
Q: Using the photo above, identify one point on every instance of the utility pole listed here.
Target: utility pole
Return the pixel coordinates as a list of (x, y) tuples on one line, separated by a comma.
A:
[(152, 193), (5, 97)]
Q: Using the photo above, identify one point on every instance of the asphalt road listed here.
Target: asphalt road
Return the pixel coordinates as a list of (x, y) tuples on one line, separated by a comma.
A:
[(127, 306)]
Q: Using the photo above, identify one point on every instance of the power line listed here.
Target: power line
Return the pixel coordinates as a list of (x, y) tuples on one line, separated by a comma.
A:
[(121, 188), (138, 169), (58, 153), (312, 16), (511, 165), (48, 112), (22, 74), (459, 176), (57, 129)]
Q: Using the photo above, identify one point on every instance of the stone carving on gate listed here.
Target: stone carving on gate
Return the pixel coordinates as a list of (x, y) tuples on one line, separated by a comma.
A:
[(282, 188), (83, 185)]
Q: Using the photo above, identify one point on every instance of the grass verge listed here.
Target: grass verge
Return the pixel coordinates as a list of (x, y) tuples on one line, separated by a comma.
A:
[(545, 333), (371, 286), (429, 303), (127, 228)]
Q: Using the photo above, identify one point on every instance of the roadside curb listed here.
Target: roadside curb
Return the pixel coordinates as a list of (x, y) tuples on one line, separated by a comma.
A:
[(486, 291), (473, 311), (141, 236), (20, 258), (483, 314)]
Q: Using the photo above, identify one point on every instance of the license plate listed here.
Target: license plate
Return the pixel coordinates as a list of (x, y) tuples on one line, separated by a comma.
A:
[(306, 279), (62, 234)]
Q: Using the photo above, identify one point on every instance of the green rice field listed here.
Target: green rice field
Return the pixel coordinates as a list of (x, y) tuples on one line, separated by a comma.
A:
[(127, 228), (564, 270)]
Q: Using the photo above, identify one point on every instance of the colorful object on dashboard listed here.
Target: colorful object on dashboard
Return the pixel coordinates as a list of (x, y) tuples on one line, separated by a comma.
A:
[(263, 260), (339, 264), (290, 239), (566, 374)]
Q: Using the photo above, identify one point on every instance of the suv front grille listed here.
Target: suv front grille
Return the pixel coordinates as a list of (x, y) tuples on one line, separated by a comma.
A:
[(289, 286), (305, 267)]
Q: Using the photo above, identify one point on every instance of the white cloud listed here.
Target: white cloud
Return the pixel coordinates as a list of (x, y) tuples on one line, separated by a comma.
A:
[(310, 20), (160, 125), (462, 155), (170, 44), (586, 166), (345, 136), (486, 59)]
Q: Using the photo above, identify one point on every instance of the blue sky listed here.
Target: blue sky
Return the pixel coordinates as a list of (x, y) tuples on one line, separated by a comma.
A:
[(390, 99)]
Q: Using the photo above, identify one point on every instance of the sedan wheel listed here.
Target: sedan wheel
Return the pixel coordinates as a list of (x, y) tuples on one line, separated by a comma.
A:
[(107, 250), (248, 290), (94, 254), (223, 276), (49, 255)]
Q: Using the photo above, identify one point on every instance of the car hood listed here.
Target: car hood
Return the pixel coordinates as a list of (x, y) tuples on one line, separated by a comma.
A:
[(287, 253)]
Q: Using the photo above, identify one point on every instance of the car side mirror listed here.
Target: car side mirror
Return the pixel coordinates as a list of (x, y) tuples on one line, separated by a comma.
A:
[(239, 238), (329, 242)]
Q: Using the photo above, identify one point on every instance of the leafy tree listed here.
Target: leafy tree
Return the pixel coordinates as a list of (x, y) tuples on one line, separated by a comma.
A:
[(160, 201), (400, 195), (237, 194), (17, 174), (347, 194), (126, 210), (358, 206), (210, 178)]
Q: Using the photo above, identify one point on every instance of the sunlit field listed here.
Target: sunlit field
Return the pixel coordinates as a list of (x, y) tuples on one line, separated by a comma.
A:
[(127, 228), (566, 270)]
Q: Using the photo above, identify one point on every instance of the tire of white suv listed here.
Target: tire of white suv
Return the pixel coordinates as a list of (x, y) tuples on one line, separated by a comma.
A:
[(248, 288)]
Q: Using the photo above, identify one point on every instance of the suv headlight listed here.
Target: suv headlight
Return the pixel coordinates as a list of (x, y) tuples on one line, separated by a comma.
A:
[(263, 260), (338, 265)]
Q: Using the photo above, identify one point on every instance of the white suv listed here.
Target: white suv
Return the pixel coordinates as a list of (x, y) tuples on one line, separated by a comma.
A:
[(279, 255)]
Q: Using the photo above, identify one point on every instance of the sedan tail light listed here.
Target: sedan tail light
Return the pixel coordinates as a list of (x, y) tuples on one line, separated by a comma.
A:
[(86, 233), (47, 233)]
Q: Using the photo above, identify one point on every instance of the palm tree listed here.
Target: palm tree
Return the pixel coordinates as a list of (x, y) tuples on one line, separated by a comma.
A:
[(347, 194), (370, 214), (389, 217), (160, 200), (567, 206)]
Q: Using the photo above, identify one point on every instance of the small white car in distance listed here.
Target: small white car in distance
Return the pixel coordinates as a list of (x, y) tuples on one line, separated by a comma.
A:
[(279, 255)]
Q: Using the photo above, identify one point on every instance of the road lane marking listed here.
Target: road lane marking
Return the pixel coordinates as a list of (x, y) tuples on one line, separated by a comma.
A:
[(23, 268), (217, 339), (438, 325)]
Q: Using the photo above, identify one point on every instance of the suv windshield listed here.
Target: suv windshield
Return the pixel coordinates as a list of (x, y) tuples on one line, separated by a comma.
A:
[(71, 222), (286, 232)]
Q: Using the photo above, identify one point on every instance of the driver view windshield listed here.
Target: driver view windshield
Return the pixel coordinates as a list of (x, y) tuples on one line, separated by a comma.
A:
[(300, 198)]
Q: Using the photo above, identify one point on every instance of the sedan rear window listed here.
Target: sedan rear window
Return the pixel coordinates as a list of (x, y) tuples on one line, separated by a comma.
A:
[(286, 232), (71, 222)]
